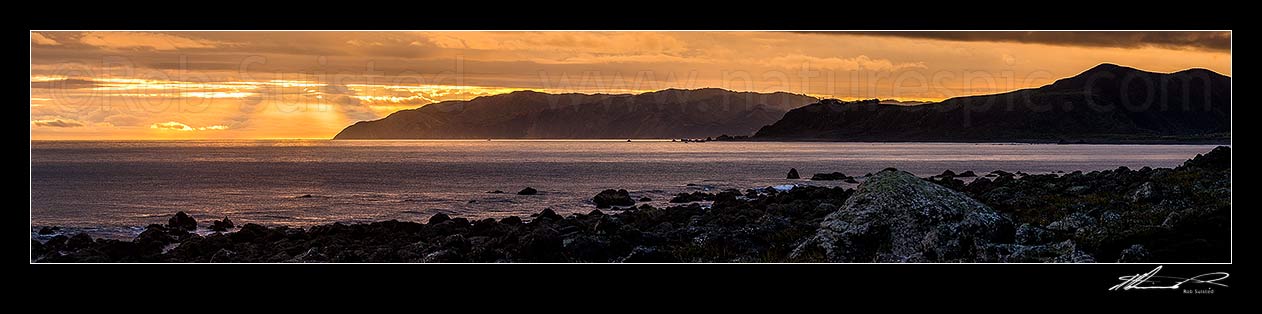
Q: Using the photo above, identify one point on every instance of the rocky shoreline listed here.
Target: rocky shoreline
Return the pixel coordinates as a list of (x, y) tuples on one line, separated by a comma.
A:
[(1123, 215)]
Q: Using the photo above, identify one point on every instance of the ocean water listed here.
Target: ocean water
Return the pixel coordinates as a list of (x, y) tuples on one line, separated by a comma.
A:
[(113, 189)]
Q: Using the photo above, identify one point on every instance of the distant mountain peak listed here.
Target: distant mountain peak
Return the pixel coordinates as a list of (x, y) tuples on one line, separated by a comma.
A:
[(1110, 68), (1107, 103)]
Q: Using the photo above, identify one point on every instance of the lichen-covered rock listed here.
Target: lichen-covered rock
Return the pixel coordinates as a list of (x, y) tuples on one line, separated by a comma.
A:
[(1146, 191), (1028, 234), (896, 217), (1134, 254), (1059, 252)]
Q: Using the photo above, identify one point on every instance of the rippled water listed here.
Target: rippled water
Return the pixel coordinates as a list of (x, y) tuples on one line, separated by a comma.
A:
[(112, 188)]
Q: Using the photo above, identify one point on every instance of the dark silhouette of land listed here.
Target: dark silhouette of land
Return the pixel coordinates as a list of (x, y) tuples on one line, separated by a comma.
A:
[(671, 113), (1106, 104)]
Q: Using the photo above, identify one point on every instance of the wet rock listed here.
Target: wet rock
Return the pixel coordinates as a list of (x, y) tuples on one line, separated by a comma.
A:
[(511, 220), (692, 197), (896, 217), (56, 243), (156, 235), (182, 221), (829, 176), (495, 192), (79, 241), (610, 197), (646, 199), (528, 191), (438, 218), (222, 225), (48, 230), (548, 215), (966, 174), (793, 174), (947, 174), (304, 196), (850, 180)]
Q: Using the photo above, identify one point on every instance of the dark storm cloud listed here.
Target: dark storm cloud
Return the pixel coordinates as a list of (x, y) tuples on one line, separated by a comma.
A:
[(1217, 41), (57, 123), (65, 84)]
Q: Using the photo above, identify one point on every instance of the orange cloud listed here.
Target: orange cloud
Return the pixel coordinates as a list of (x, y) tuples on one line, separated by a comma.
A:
[(40, 39), (156, 41), (176, 126)]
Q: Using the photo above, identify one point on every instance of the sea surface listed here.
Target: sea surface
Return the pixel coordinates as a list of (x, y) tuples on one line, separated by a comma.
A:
[(114, 188)]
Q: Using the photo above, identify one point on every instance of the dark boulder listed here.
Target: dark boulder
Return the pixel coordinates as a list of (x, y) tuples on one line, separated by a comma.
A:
[(793, 174), (182, 221), (586, 249), (646, 199), (947, 174), (548, 215), (79, 241), (541, 245), (1217, 159), (495, 192), (155, 234), (56, 243), (222, 225), (511, 220), (48, 230), (438, 218), (610, 197), (37, 249), (966, 174), (829, 176), (528, 191)]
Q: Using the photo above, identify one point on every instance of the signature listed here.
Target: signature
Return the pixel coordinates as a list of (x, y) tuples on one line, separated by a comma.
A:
[(1150, 280)]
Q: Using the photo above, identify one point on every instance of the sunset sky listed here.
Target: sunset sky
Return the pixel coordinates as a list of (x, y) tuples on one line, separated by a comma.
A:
[(186, 85)]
